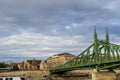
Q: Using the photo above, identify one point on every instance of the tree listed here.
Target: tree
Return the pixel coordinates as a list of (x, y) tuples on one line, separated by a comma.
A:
[(2, 65), (15, 68)]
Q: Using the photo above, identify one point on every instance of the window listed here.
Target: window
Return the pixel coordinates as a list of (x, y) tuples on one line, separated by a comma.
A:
[(22, 78), (6, 78), (1, 78), (11, 78)]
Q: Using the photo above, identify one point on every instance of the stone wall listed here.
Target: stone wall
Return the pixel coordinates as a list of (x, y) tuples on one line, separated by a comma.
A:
[(103, 75), (32, 75)]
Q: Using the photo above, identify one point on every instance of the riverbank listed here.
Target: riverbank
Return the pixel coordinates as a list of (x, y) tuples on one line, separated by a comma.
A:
[(41, 75)]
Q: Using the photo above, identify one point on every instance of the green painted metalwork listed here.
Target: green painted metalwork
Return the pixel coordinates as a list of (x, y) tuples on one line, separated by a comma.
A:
[(100, 55)]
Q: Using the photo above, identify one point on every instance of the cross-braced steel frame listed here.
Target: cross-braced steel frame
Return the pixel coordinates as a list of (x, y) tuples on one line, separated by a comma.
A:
[(100, 55)]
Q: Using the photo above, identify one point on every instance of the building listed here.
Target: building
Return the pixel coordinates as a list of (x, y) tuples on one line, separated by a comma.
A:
[(12, 65), (44, 65), (58, 59), (20, 66), (9, 66), (31, 64)]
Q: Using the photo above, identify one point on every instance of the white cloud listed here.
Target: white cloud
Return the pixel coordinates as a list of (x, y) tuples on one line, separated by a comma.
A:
[(114, 5), (54, 31), (67, 27), (30, 44), (44, 48)]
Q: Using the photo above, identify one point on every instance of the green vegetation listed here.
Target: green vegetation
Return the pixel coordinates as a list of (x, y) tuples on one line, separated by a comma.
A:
[(15, 68), (2, 65)]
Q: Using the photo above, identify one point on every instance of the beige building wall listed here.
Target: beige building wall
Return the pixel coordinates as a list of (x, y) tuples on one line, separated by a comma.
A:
[(26, 65), (59, 59), (31, 64), (52, 61), (44, 66), (20, 66)]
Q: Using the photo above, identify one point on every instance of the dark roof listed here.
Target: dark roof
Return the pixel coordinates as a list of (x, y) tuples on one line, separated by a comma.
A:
[(30, 61), (38, 61), (64, 54)]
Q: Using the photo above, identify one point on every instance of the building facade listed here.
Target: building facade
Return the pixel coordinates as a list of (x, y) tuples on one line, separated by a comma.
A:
[(44, 65), (31, 64), (58, 59)]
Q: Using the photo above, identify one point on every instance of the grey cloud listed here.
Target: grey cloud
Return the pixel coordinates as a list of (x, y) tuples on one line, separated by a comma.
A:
[(58, 20)]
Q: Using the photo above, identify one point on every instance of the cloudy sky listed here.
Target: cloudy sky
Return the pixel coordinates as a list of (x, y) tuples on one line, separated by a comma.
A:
[(41, 28)]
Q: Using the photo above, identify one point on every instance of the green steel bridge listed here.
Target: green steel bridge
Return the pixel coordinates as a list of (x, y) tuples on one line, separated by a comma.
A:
[(100, 55)]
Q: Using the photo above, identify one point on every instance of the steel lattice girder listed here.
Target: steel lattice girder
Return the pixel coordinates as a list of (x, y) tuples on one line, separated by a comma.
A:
[(100, 55)]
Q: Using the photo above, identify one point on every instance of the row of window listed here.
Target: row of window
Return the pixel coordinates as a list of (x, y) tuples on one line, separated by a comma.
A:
[(10, 78)]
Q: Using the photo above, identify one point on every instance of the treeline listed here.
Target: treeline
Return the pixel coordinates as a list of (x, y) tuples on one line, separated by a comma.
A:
[(2, 65)]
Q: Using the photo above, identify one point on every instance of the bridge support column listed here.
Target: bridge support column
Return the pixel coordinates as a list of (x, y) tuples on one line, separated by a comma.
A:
[(57, 77), (103, 75)]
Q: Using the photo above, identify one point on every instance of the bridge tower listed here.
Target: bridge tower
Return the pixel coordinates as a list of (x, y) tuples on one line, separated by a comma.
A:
[(95, 50), (102, 75)]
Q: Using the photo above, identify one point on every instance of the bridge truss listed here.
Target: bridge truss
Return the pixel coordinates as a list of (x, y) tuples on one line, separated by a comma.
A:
[(99, 55)]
